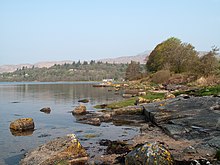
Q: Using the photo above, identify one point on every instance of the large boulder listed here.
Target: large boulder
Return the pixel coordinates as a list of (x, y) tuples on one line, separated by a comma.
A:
[(79, 110), (150, 154), (63, 150), (22, 124)]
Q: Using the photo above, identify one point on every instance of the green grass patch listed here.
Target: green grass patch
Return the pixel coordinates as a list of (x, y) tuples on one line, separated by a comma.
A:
[(131, 101), (207, 91)]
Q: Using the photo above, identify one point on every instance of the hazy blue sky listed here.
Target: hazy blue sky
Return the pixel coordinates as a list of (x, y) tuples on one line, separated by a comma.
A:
[(47, 30)]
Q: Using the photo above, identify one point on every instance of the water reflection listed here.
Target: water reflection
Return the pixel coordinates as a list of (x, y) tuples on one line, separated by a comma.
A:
[(21, 133), (64, 92)]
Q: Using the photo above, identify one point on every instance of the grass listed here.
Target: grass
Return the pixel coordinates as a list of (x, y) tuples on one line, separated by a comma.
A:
[(131, 101), (207, 91)]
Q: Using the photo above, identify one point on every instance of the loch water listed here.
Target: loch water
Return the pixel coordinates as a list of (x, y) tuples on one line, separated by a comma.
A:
[(25, 99)]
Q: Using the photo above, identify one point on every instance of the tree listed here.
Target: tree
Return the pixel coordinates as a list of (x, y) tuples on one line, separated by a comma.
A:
[(173, 55), (209, 63), (133, 71)]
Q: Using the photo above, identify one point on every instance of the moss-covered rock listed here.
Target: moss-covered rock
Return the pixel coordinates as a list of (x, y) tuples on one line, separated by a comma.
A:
[(149, 154)]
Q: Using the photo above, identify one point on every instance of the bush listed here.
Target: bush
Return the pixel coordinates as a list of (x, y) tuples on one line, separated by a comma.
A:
[(161, 76)]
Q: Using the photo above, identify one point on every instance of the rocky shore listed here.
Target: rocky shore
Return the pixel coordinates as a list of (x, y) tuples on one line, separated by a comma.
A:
[(186, 128)]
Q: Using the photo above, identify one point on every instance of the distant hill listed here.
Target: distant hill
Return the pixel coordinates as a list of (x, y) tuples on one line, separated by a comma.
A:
[(46, 64), (123, 60), (127, 59)]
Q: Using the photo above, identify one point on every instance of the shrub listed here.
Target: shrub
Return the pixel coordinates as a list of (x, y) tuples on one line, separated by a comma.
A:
[(161, 76)]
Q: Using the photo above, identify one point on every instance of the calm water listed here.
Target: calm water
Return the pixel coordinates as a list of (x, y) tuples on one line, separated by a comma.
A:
[(20, 100)]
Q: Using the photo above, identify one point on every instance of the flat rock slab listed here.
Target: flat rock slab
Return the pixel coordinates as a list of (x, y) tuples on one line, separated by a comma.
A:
[(192, 118)]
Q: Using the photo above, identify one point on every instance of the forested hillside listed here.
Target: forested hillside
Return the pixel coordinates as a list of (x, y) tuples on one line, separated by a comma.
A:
[(77, 71)]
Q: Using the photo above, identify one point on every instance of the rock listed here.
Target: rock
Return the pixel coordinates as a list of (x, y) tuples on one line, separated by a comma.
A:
[(92, 121), (190, 150), (106, 118), (215, 107), (133, 92), (169, 96), (90, 118), (103, 106), (63, 150), (127, 95), (22, 124), (149, 153), (46, 110), (84, 101), (189, 119), (141, 93), (132, 119), (185, 96), (156, 100), (141, 100), (79, 110), (146, 127), (128, 110)]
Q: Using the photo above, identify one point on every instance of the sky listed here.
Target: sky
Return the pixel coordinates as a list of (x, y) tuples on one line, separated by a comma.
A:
[(52, 30)]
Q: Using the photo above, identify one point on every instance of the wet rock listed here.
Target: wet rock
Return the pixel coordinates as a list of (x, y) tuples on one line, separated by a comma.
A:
[(63, 150), (79, 110), (44, 135), (115, 147), (22, 124), (149, 153), (92, 121), (84, 101), (90, 118), (46, 110), (128, 110), (124, 119)]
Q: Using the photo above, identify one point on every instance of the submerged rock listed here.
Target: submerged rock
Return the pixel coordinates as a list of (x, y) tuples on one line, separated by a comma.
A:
[(79, 110), (92, 121), (22, 124), (46, 110), (63, 150), (151, 154), (84, 101)]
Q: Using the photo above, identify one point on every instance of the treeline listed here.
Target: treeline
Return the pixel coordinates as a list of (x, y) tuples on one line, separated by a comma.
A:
[(172, 57), (77, 71)]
